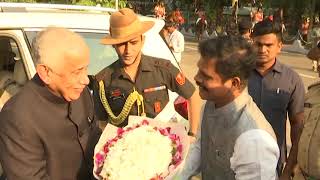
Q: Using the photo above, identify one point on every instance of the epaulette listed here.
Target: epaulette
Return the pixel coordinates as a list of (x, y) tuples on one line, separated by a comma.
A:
[(157, 62), (106, 72), (314, 85), (162, 63)]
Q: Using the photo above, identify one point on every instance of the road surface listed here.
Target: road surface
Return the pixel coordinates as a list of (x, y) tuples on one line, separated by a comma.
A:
[(298, 62)]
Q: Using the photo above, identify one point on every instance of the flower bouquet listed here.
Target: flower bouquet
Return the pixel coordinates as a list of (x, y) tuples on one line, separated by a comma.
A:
[(144, 150)]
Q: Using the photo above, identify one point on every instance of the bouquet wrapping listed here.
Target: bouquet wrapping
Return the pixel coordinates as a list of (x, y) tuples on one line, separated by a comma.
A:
[(145, 149)]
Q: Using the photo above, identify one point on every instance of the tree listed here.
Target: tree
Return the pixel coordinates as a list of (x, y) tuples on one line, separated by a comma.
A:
[(104, 3)]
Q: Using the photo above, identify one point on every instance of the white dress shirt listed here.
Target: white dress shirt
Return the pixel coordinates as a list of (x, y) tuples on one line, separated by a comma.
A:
[(255, 156), (176, 40)]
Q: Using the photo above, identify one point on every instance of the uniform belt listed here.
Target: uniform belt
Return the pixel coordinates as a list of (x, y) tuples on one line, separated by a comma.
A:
[(307, 176)]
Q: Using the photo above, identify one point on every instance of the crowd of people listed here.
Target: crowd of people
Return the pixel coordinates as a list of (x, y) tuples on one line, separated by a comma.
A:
[(239, 134)]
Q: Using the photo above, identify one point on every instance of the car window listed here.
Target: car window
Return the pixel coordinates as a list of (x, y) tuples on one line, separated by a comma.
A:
[(100, 55), (12, 71)]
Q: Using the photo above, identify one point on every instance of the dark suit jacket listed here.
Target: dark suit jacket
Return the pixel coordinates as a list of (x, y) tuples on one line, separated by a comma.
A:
[(44, 137)]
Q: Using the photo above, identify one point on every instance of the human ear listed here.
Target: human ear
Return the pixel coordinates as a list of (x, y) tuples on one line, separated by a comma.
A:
[(280, 44), (236, 83), (43, 73)]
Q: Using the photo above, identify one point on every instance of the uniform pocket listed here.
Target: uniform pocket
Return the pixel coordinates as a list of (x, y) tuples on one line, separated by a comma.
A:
[(155, 101)]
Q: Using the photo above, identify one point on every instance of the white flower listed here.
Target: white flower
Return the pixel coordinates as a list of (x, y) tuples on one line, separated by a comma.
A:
[(140, 154)]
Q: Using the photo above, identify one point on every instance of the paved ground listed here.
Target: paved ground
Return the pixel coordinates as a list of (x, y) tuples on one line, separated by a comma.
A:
[(298, 62)]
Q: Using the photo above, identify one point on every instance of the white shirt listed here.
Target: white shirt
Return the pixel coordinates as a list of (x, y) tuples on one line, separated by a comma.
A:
[(199, 19), (176, 40), (255, 156)]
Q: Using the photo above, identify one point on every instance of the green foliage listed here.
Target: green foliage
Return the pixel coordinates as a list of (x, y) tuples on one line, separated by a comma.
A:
[(24, 1), (86, 3), (111, 3), (103, 3)]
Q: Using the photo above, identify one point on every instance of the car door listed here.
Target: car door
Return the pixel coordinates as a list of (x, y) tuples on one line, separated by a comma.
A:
[(14, 67), (15, 60)]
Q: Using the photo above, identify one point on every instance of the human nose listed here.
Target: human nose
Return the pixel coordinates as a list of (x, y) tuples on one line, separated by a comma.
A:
[(262, 49), (84, 79), (127, 48), (197, 77)]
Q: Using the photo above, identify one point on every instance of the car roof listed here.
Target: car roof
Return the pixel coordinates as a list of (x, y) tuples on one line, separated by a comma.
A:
[(45, 19), (17, 16)]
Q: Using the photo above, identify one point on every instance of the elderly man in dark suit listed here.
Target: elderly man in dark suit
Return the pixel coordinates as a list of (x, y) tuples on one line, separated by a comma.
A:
[(48, 130)]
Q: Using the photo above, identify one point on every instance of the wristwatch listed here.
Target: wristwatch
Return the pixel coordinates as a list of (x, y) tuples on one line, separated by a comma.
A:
[(191, 134)]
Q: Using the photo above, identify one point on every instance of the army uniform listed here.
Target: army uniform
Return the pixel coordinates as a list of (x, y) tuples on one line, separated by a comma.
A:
[(309, 151), (154, 77)]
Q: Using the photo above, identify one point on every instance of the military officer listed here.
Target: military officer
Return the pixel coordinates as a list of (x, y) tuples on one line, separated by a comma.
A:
[(137, 84)]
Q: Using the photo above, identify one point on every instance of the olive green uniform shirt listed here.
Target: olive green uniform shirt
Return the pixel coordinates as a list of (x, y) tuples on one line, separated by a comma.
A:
[(154, 77)]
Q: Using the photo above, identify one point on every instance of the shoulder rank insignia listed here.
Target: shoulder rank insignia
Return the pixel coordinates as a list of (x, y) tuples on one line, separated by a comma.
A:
[(181, 80)]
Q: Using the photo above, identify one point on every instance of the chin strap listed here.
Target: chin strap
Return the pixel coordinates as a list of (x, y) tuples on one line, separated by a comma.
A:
[(132, 98)]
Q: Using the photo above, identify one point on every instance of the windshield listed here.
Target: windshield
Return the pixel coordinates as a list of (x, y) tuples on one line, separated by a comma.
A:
[(100, 55)]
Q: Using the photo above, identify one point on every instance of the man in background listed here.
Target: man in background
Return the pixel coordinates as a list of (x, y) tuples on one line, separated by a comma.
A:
[(245, 29), (175, 40), (278, 91)]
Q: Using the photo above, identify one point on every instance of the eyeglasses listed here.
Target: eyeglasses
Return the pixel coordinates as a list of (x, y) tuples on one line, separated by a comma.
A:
[(74, 75)]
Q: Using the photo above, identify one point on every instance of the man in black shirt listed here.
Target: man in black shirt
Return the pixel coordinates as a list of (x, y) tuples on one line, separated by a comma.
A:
[(48, 130)]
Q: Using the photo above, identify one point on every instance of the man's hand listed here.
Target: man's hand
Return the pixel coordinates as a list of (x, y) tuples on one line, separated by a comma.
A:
[(285, 176), (296, 123), (192, 139)]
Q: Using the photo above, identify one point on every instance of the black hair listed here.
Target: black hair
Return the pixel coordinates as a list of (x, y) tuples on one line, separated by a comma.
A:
[(267, 27), (234, 56), (244, 26), (169, 23)]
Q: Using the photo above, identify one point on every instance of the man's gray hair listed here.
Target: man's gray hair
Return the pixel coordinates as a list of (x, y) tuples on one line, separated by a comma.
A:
[(36, 47), (52, 42)]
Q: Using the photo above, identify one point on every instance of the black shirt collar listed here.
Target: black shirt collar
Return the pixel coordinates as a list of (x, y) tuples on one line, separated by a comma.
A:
[(43, 90)]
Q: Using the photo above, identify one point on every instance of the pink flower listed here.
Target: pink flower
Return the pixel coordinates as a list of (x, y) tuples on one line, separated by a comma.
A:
[(145, 122), (106, 148), (99, 158), (179, 148), (120, 131), (177, 159), (115, 139), (164, 132), (173, 137)]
